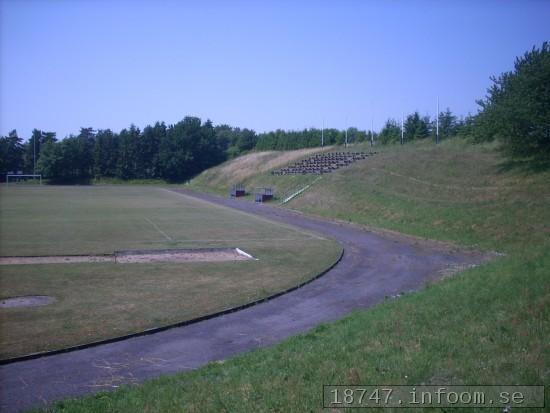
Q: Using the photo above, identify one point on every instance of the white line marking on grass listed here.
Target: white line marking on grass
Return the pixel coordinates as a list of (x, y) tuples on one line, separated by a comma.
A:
[(245, 254), (158, 229), (248, 214)]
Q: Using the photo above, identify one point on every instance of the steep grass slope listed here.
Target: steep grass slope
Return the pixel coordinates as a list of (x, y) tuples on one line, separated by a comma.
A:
[(254, 170), (453, 191), (486, 325)]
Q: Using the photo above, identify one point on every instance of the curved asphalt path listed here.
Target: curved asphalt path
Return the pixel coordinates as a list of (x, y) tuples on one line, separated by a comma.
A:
[(374, 266)]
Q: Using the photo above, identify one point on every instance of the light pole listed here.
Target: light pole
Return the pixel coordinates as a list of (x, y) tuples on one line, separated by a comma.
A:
[(402, 126), (323, 134), (34, 155), (372, 132), (346, 145), (437, 123)]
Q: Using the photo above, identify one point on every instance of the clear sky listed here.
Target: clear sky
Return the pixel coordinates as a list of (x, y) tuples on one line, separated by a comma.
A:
[(257, 64)]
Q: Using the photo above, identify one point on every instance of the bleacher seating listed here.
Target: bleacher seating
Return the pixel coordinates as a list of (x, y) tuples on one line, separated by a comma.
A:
[(322, 163)]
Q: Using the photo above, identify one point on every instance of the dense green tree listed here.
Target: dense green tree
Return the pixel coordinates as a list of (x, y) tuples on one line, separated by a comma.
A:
[(105, 153), (180, 148), (32, 150), (148, 150), (416, 127), (69, 160), (307, 138), (127, 167), (34, 147), (51, 162), (207, 152), (234, 141), (85, 142), (516, 109), (390, 133), (447, 124), (465, 127), (225, 136), (356, 135), (11, 153), (246, 140)]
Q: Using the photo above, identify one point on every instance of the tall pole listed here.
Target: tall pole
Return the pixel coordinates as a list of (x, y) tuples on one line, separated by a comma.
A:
[(323, 134), (437, 123), (346, 132), (371, 132), (34, 155), (402, 126)]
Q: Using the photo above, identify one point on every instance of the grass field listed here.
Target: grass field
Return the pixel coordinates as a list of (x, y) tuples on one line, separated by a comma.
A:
[(103, 300), (487, 325)]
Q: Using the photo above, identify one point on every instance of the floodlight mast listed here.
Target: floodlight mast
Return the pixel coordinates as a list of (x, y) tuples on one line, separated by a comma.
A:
[(323, 134), (402, 121), (34, 155), (371, 132), (437, 123), (346, 132), (346, 137)]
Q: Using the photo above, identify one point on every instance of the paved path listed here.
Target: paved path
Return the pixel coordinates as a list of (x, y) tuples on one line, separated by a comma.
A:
[(373, 266)]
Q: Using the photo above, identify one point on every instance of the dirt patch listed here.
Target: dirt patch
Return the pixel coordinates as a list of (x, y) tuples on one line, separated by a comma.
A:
[(141, 256), (56, 259), (26, 301), (189, 255)]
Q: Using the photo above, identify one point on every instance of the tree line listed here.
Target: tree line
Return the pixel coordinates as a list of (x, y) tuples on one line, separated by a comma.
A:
[(516, 109), (515, 112), (308, 138), (173, 153), (417, 127)]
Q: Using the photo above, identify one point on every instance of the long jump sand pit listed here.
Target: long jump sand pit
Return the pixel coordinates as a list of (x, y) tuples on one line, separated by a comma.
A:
[(182, 255), (138, 256), (26, 301)]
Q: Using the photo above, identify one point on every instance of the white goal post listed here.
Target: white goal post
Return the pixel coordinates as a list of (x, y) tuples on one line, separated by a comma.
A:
[(8, 176)]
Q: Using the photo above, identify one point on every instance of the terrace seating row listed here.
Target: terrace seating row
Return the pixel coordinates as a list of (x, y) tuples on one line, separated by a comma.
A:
[(322, 163)]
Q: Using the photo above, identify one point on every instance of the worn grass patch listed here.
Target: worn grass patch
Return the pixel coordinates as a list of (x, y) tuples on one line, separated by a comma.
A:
[(103, 300)]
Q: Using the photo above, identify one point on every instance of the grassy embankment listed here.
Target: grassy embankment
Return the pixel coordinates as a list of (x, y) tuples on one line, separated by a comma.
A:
[(486, 325), (97, 301), (254, 170)]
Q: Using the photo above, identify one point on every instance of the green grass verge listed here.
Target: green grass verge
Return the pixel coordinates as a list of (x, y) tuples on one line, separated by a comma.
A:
[(97, 301), (486, 325)]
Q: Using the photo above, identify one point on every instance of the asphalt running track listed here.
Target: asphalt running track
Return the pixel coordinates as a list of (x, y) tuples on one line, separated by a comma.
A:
[(373, 267)]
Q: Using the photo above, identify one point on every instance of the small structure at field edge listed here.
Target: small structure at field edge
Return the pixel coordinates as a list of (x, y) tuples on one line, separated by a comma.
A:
[(238, 190), (263, 194)]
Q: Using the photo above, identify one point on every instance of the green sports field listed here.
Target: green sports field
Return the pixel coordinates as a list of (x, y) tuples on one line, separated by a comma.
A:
[(102, 300)]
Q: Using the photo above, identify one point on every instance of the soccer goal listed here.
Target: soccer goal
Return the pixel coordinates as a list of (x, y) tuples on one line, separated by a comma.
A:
[(22, 178)]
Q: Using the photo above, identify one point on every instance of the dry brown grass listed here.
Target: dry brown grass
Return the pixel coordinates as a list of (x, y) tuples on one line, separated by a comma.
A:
[(246, 166)]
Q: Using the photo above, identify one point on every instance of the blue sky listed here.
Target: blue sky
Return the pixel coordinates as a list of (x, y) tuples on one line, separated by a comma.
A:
[(257, 64)]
